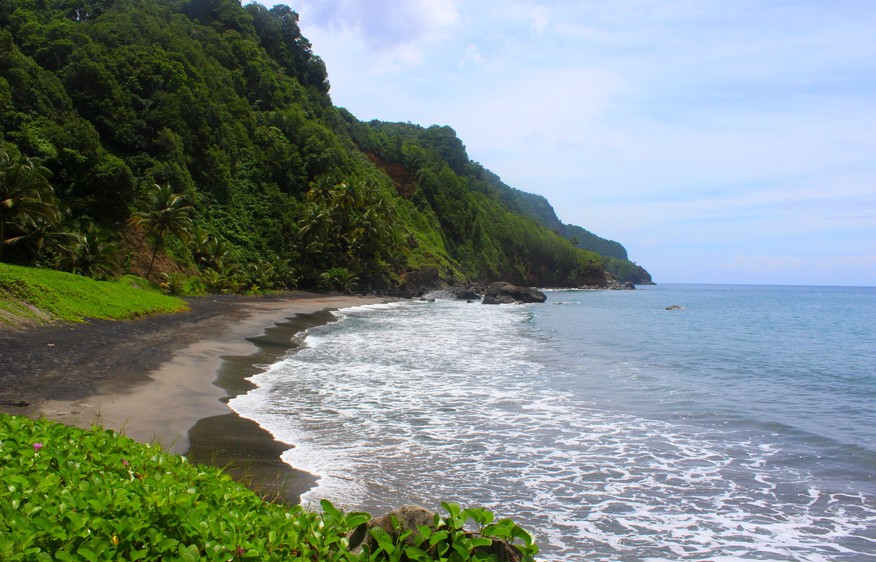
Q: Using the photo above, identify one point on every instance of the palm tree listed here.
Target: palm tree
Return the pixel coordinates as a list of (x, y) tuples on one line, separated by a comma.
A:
[(93, 254), (48, 242), (208, 250), (26, 197), (164, 212)]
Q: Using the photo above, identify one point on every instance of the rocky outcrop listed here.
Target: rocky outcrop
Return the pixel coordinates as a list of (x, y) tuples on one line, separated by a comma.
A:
[(616, 285), (502, 292), (611, 284), (468, 293)]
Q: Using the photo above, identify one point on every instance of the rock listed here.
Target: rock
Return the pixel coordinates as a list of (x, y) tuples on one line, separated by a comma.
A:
[(615, 285), (466, 293), (409, 517), (501, 299), (400, 293), (675, 307), (502, 292)]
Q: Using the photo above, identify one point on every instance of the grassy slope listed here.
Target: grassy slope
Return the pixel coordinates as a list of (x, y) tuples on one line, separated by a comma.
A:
[(42, 296)]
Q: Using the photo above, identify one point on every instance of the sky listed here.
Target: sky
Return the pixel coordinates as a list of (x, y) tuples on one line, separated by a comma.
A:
[(719, 142)]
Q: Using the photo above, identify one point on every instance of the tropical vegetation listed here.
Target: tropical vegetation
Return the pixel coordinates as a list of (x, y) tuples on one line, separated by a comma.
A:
[(73, 494), (194, 142)]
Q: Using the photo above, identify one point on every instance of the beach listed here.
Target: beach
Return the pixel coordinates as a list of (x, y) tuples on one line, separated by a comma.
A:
[(167, 378)]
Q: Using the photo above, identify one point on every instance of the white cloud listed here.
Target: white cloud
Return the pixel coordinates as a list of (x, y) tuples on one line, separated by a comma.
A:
[(472, 56), (396, 31), (540, 19)]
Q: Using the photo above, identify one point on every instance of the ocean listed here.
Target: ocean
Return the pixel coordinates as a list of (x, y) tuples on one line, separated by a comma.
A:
[(739, 426)]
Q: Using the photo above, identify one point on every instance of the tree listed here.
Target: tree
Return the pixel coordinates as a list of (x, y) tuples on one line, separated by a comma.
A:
[(164, 212), (26, 197), (92, 254)]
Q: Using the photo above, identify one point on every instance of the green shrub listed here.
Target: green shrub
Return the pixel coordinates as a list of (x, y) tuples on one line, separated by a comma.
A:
[(73, 494)]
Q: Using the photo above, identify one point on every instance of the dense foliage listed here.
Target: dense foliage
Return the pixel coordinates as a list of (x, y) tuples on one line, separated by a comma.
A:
[(72, 494), (104, 103)]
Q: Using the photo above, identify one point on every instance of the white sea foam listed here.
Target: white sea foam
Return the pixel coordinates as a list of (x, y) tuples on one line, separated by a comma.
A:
[(447, 401)]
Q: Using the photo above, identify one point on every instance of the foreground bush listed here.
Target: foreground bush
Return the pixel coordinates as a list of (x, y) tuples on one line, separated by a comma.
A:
[(71, 494)]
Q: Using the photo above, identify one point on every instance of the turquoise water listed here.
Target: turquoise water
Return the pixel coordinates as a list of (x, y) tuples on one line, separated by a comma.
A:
[(740, 426)]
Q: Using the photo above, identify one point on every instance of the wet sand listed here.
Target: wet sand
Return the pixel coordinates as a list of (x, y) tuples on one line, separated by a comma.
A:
[(168, 378)]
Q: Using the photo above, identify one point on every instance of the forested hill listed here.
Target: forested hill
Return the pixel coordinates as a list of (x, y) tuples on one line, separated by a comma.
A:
[(195, 142), (614, 255)]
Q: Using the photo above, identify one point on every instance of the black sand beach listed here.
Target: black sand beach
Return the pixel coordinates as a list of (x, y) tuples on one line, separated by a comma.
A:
[(168, 378)]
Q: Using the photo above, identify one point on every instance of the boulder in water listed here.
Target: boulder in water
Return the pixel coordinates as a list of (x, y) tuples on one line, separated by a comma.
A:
[(502, 292)]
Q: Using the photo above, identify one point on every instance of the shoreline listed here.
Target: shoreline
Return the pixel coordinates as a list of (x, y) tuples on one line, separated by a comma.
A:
[(246, 451), (168, 379)]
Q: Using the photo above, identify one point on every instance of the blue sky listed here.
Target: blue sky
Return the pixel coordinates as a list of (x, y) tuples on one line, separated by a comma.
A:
[(717, 141)]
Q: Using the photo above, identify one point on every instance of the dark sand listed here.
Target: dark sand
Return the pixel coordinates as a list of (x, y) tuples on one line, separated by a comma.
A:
[(168, 378)]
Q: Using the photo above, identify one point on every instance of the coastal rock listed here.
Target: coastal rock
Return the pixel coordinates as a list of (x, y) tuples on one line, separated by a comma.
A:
[(400, 293), (502, 299), (675, 307), (502, 292), (409, 517), (465, 293), (622, 286)]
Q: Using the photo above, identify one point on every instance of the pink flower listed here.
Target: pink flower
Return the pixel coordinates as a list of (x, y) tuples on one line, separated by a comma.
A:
[(37, 447), (125, 462)]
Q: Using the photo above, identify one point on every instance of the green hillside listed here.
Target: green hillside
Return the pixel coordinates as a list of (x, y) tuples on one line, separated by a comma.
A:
[(194, 142), (614, 255)]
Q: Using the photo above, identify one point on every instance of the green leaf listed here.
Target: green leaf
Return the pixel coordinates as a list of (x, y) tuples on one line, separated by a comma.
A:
[(330, 512), (521, 533), (437, 537), (355, 519), (480, 541), (86, 554), (414, 553), (168, 544), (461, 550), (479, 515), (384, 540), (189, 553)]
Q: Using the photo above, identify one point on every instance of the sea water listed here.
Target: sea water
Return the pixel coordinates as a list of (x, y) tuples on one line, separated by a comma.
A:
[(741, 425)]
